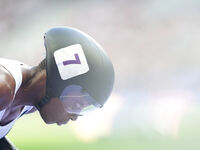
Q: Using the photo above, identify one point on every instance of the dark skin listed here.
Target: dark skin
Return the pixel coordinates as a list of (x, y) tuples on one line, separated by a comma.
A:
[(31, 91)]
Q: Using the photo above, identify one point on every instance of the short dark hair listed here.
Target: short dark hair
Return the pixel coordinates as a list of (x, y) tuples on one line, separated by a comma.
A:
[(42, 65)]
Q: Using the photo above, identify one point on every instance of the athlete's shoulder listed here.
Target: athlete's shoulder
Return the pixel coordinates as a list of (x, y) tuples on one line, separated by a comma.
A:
[(7, 88)]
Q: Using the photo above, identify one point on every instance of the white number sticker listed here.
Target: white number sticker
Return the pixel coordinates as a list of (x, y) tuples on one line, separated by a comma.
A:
[(71, 61)]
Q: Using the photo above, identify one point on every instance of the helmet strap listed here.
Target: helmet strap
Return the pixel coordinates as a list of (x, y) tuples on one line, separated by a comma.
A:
[(42, 102)]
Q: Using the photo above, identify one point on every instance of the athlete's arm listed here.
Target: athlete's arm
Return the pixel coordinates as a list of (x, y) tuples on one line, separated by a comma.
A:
[(7, 87)]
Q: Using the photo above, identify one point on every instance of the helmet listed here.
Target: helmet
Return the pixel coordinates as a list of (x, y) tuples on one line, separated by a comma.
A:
[(76, 62)]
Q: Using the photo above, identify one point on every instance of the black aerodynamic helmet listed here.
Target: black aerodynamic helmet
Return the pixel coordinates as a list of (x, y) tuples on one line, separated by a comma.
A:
[(76, 66)]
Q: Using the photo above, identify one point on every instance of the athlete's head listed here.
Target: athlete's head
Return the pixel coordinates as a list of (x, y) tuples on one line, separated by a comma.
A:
[(80, 75)]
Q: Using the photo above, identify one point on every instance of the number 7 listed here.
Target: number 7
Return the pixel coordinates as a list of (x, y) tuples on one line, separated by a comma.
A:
[(76, 61)]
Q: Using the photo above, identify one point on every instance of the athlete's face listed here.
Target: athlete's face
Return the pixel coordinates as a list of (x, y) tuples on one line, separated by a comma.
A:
[(54, 112)]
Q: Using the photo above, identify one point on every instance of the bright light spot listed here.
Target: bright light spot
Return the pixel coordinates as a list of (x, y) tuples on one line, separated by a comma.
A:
[(98, 123), (168, 113)]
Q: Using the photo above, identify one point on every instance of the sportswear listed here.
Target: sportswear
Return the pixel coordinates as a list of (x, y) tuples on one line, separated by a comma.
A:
[(14, 69)]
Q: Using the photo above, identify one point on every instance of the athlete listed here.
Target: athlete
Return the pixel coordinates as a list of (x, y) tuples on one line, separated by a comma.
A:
[(76, 76)]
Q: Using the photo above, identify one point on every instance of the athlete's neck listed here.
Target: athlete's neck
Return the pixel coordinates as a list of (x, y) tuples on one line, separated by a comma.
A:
[(33, 86)]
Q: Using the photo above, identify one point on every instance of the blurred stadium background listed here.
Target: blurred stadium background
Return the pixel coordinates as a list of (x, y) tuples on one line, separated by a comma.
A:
[(154, 45)]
